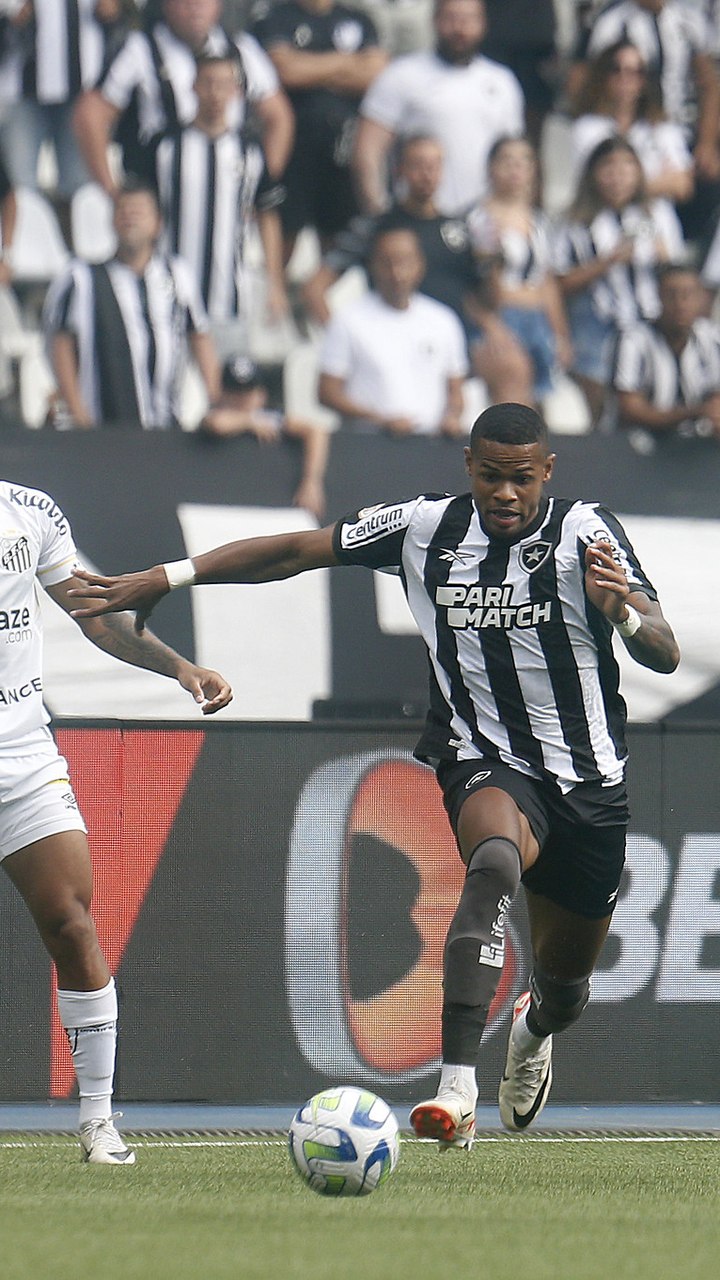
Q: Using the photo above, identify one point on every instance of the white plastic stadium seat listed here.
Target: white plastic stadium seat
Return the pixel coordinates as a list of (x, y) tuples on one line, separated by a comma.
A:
[(39, 252), (300, 375), (91, 214), (566, 409), (37, 384)]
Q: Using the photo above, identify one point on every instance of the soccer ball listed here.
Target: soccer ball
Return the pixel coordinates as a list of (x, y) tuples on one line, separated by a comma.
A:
[(344, 1142)]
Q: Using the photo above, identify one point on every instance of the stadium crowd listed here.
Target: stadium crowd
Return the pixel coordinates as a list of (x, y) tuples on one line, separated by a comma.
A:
[(424, 209)]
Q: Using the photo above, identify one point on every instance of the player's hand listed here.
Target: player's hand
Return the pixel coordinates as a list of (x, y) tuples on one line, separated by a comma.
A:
[(605, 581), (134, 591), (207, 687)]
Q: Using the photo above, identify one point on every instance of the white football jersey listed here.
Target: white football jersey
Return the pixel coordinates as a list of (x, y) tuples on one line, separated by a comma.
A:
[(36, 545)]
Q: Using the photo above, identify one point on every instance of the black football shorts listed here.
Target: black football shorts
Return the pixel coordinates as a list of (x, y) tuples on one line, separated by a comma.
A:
[(581, 834)]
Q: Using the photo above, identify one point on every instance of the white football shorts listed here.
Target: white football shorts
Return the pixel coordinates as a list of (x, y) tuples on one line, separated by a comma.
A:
[(36, 799)]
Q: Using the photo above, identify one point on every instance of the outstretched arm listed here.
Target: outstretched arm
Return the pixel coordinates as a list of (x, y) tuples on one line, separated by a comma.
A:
[(117, 636), (251, 560), (652, 642)]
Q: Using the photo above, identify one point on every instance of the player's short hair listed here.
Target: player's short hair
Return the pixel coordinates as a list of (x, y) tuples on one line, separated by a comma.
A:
[(509, 424)]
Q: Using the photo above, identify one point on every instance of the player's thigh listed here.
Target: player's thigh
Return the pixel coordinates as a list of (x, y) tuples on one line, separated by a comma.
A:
[(486, 798), (44, 848), (492, 812), (565, 945), (53, 875)]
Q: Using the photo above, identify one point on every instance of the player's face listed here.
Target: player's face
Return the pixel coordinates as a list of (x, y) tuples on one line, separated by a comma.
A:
[(618, 179), (191, 20), (215, 88), (682, 300), (397, 267), (136, 220), (507, 483), (421, 169), (460, 29)]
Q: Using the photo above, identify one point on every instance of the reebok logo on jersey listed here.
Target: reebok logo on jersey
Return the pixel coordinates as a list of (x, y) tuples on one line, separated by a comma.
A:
[(456, 557), (477, 777), (476, 607)]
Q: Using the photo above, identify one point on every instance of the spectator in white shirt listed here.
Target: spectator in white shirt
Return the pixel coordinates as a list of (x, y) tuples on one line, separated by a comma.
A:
[(451, 93), (395, 360)]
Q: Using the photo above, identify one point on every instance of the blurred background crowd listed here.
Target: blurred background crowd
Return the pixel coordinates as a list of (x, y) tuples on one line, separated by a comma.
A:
[(299, 216)]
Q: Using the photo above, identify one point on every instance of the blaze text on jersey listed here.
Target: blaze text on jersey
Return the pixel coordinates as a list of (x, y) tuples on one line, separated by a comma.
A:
[(479, 607)]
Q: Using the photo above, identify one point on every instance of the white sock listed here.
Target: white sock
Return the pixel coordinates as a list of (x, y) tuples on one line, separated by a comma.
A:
[(460, 1079), (90, 1020), (523, 1039)]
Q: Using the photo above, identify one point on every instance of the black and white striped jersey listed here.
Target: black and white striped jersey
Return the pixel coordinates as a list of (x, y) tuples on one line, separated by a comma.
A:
[(160, 68), (130, 333), (209, 189), (521, 663), (626, 292), (57, 53), (646, 363)]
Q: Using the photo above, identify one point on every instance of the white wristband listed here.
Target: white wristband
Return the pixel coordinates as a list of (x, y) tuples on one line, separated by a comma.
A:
[(630, 625), (179, 573)]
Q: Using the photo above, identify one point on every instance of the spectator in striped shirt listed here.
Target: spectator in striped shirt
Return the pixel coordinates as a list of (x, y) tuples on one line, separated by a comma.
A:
[(117, 331), (607, 249), (154, 72), (212, 180), (667, 374), (56, 49)]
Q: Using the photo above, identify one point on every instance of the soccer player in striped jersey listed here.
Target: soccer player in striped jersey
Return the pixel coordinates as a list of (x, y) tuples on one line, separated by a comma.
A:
[(517, 596)]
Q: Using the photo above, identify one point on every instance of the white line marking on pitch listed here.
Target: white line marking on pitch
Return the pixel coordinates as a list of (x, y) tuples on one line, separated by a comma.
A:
[(277, 1142)]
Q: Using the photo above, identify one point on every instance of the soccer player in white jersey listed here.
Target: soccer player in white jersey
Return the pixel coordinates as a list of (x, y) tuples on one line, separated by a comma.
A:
[(43, 841), (518, 596)]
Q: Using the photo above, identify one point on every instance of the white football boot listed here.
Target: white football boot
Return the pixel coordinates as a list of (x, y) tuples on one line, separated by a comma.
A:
[(526, 1080), (449, 1117), (101, 1143)]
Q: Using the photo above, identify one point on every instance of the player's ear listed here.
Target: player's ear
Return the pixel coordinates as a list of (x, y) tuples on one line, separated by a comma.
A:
[(549, 464), (468, 459)]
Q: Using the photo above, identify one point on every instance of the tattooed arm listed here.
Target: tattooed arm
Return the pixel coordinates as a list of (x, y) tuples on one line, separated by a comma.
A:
[(116, 634)]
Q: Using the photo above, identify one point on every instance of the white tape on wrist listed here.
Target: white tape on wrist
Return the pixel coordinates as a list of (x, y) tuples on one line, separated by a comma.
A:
[(630, 625), (179, 573)]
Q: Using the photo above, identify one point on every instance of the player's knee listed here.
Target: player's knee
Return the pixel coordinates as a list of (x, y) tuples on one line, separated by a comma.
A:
[(497, 860), (475, 945), (69, 933), (556, 1003)]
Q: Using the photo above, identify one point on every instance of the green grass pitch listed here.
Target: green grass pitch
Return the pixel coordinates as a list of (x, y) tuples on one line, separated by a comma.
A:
[(546, 1208)]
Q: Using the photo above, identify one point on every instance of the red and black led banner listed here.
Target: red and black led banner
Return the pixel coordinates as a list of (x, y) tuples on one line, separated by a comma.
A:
[(273, 901)]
